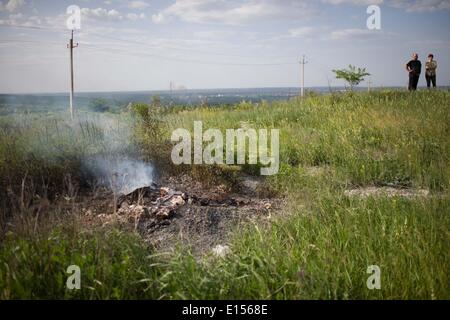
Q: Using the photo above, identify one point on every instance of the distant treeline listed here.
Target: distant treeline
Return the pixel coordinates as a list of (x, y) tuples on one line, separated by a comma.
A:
[(116, 102)]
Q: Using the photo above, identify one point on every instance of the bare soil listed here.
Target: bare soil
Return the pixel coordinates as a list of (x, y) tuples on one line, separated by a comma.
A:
[(179, 210), (387, 192)]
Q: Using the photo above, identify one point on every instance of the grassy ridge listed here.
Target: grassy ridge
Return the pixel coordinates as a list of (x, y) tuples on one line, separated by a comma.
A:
[(322, 244), (380, 138)]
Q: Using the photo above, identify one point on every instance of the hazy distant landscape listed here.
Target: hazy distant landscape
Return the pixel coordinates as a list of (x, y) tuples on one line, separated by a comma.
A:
[(118, 101)]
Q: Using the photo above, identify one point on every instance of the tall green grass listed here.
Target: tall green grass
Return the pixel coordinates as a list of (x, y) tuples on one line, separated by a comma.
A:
[(114, 265), (318, 246), (378, 138), (324, 254)]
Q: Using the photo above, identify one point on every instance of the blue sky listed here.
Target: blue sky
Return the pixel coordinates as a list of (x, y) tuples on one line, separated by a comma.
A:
[(145, 44)]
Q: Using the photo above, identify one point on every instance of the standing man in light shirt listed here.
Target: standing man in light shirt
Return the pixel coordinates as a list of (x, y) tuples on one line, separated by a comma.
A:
[(430, 71)]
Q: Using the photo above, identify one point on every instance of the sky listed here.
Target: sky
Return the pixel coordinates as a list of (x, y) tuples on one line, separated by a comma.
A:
[(206, 44)]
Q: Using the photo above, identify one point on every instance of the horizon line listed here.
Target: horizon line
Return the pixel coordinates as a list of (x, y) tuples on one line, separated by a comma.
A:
[(200, 89)]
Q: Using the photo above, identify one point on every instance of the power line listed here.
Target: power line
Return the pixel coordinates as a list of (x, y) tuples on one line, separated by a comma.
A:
[(16, 41), (167, 57), (31, 27), (179, 48), (98, 47)]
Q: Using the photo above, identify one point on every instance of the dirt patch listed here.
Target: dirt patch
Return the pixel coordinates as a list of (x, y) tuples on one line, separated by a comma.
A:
[(387, 192), (181, 210), (317, 171)]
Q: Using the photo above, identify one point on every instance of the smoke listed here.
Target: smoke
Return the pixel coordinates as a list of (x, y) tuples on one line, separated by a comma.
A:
[(95, 148), (122, 175), (116, 165)]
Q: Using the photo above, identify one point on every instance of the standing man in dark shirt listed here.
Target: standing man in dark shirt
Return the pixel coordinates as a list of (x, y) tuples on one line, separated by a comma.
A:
[(414, 68)]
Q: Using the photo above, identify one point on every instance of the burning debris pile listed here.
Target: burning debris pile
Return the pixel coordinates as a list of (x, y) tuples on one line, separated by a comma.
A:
[(160, 203), (181, 209)]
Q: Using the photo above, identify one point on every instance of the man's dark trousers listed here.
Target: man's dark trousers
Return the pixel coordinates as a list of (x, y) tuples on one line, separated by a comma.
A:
[(413, 81)]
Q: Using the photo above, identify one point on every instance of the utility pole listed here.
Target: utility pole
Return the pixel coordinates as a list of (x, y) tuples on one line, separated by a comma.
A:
[(302, 64), (369, 85), (71, 46)]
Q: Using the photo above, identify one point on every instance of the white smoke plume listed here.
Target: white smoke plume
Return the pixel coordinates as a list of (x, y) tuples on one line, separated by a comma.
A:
[(117, 164), (122, 175)]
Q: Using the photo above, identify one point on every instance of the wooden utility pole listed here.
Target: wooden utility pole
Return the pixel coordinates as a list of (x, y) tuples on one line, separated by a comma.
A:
[(71, 46), (302, 64)]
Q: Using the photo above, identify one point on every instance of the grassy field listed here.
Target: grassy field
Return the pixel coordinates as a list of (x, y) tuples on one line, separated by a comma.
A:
[(318, 247)]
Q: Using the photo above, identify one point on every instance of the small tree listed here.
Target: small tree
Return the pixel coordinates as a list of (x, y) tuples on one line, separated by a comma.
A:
[(353, 75)]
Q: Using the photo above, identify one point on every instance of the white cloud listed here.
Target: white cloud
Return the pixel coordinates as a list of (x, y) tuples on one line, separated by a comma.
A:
[(358, 34), (18, 19), (421, 5), (16, 16), (12, 5), (102, 14), (109, 15), (214, 34), (35, 20), (408, 5), (158, 18), (138, 5), (302, 32), (354, 2), (234, 12), (134, 16)]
